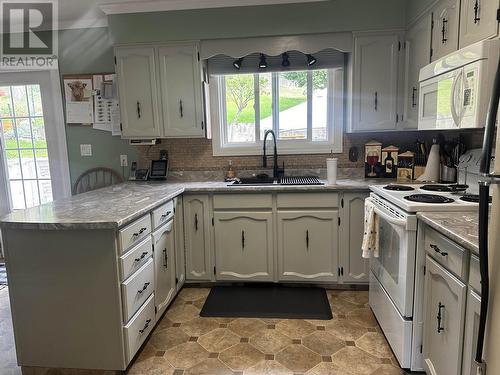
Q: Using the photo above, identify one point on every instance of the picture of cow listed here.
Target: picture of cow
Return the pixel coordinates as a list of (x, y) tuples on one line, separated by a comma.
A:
[(77, 91)]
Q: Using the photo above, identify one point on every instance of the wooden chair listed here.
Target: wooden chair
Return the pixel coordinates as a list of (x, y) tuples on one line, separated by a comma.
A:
[(96, 178)]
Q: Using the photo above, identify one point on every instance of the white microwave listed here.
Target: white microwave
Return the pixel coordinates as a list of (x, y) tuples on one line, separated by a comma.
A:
[(454, 91)]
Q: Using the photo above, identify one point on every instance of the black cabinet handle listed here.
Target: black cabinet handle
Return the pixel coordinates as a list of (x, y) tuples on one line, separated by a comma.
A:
[(414, 97), (438, 250), (143, 288), (141, 231), (440, 318), (181, 109), (138, 109), (443, 31), (307, 239), (476, 12), (145, 326), (141, 257), (165, 258), (166, 214), (196, 222), (243, 239), (376, 101)]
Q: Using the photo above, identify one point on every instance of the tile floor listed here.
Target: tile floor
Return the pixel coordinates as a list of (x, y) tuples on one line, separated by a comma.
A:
[(183, 343)]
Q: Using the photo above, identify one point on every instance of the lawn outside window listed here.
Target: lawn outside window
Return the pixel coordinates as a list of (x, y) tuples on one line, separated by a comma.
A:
[(303, 107)]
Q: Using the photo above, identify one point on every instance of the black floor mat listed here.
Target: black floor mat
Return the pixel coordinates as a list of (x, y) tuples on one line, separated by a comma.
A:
[(267, 301)]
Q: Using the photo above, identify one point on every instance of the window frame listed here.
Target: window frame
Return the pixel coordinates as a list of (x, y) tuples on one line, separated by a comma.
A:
[(335, 119)]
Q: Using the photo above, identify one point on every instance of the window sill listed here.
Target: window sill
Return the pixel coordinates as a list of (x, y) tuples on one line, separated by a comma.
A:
[(282, 150)]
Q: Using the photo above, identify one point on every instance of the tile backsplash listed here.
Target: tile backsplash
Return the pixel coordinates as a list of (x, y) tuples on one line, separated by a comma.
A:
[(196, 154)]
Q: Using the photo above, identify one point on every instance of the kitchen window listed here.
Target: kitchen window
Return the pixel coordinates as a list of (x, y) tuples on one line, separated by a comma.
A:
[(303, 107)]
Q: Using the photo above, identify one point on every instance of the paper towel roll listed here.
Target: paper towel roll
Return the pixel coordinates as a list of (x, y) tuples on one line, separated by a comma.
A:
[(331, 171), (432, 168)]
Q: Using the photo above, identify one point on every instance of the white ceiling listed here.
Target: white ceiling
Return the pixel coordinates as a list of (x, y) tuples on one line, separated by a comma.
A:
[(92, 13)]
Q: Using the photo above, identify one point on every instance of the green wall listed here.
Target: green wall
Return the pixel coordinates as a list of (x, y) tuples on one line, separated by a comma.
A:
[(90, 51), (414, 8), (327, 16)]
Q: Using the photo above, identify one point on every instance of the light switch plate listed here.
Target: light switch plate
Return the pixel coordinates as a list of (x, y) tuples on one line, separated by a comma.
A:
[(123, 161), (86, 150)]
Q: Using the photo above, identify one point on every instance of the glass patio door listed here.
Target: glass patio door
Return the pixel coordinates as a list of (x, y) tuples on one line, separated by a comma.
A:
[(33, 155)]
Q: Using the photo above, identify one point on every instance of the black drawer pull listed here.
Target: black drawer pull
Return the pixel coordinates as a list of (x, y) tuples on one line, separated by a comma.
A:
[(141, 257), (243, 239), (196, 222), (438, 250), (141, 231), (440, 318), (166, 214), (145, 326), (307, 239), (143, 288)]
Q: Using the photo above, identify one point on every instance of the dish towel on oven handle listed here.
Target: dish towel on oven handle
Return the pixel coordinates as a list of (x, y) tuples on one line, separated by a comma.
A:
[(371, 232)]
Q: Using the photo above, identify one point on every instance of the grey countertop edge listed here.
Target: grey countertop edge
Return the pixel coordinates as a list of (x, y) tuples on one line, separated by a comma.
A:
[(450, 231), (179, 188)]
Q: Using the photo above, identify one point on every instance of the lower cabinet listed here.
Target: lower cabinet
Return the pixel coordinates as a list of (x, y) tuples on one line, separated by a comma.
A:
[(164, 261), (308, 245), (180, 259), (444, 312), (197, 228), (354, 268), (244, 246), (471, 332)]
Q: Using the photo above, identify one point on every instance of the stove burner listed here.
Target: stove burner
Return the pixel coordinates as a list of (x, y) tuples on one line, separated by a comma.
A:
[(428, 198), (398, 187), (473, 198), (437, 188)]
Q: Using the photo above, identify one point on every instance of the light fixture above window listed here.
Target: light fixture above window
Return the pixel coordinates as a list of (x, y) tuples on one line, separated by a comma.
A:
[(237, 63), (311, 60), (285, 62), (262, 62)]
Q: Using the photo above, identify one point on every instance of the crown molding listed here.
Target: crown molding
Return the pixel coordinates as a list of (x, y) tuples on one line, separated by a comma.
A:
[(142, 6)]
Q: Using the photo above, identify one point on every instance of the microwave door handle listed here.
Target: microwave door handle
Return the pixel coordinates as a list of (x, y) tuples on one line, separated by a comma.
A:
[(454, 114)]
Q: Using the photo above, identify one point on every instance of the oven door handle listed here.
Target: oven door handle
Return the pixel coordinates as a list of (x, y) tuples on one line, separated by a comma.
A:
[(390, 219)]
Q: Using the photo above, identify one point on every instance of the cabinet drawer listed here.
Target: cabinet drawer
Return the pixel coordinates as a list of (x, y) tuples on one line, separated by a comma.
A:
[(475, 274), (133, 233), (239, 201), (135, 258), (136, 289), (447, 253), (163, 214), (308, 200), (139, 327)]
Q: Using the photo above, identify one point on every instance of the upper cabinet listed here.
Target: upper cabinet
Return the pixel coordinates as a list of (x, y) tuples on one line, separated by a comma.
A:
[(137, 76), (160, 89), (478, 20), (446, 15), (375, 82), (180, 84), (418, 54)]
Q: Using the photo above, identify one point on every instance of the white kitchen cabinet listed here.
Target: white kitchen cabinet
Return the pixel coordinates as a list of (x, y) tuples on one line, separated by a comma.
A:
[(139, 102), (418, 54), (244, 246), (197, 229), (308, 245), (164, 269), (181, 90), (353, 267), (444, 312), (375, 81), (180, 259), (471, 332), (446, 15), (478, 20)]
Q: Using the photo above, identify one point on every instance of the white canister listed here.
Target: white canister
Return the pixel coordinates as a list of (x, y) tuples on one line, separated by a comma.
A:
[(331, 170)]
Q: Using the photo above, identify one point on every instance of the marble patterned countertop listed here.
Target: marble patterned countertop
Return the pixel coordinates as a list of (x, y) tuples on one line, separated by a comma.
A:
[(460, 227), (118, 205)]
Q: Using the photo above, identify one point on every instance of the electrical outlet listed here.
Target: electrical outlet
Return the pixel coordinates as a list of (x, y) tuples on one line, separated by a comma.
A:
[(123, 161), (86, 150)]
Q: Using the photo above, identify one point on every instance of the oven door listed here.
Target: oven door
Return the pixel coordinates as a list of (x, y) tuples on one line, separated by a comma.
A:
[(395, 266)]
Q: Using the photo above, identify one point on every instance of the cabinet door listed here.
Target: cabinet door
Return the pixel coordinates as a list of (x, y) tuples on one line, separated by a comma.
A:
[(445, 28), (244, 246), (471, 333), (197, 237), (418, 54), (308, 245), (375, 82), (443, 320), (164, 258), (180, 259), (353, 267), (478, 20), (180, 81), (136, 71)]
